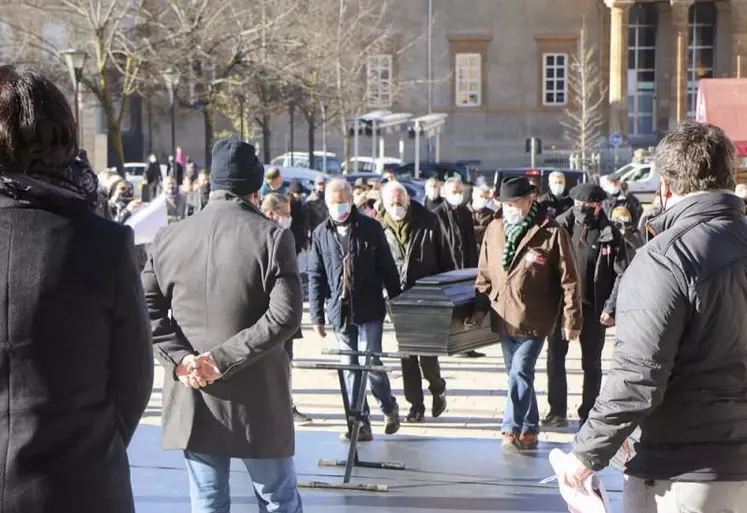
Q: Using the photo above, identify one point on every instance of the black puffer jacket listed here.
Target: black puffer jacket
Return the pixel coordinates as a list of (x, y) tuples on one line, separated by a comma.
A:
[(679, 371), (427, 252)]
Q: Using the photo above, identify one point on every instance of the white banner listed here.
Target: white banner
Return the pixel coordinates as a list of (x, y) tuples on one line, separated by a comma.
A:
[(147, 220)]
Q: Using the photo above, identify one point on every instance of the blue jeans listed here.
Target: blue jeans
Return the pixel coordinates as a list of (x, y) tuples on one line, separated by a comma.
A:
[(274, 483), (520, 356), (364, 338)]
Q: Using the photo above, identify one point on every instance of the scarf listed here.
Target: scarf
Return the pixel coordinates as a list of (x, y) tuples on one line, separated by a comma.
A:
[(400, 229), (74, 186), (514, 234)]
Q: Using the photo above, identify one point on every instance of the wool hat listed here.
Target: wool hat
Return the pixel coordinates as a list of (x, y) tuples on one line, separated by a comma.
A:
[(235, 167), (295, 187), (515, 187), (588, 193)]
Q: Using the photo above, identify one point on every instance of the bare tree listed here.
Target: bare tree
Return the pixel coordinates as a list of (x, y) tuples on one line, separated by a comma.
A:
[(584, 123), (110, 31)]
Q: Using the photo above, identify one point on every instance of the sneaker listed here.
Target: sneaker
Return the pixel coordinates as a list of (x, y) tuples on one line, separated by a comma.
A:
[(511, 442), (528, 441), (299, 418), (416, 414), (439, 404), (364, 435), (553, 420), (392, 421)]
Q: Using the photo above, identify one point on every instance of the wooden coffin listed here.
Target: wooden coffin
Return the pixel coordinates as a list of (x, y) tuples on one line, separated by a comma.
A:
[(429, 318)]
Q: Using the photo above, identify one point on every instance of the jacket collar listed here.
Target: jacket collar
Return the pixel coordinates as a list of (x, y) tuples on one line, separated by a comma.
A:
[(221, 197), (702, 206)]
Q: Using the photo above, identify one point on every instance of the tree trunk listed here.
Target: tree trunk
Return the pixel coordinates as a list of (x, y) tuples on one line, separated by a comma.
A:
[(310, 133), (292, 118), (115, 134), (266, 136), (207, 116)]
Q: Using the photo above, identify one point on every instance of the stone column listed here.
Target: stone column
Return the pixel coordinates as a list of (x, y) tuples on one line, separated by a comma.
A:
[(619, 12), (722, 50), (738, 38), (680, 40)]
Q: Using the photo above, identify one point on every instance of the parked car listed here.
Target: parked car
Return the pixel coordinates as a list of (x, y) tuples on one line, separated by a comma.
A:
[(367, 164), (441, 170), (305, 177), (641, 179), (135, 173), (300, 159), (540, 177)]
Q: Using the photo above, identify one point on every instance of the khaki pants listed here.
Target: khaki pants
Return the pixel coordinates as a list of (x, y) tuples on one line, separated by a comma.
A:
[(641, 496)]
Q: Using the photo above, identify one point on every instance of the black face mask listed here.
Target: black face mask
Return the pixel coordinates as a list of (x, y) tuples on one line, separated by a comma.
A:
[(584, 213)]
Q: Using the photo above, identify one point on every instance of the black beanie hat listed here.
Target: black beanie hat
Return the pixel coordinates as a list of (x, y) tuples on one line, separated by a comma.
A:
[(235, 167)]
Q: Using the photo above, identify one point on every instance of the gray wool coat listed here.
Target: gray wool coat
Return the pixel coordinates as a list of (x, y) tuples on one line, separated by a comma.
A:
[(226, 281)]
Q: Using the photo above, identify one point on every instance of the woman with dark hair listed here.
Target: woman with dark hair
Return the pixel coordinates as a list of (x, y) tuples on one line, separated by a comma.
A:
[(75, 352)]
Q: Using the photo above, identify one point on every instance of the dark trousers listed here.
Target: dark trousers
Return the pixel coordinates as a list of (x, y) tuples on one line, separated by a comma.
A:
[(592, 344), (413, 382)]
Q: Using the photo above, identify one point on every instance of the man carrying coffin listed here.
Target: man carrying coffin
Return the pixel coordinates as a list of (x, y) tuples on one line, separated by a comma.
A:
[(419, 249), (526, 275)]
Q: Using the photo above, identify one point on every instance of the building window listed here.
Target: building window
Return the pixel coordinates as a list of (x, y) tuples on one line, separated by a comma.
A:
[(642, 69), (54, 35), (379, 82), (468, 79), (554, 79), (700, 50)]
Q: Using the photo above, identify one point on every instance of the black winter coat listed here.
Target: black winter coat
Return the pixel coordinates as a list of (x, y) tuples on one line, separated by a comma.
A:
[(460, 232), (427, 252), (433, 204), (373, 269), (676, 386), (555, 205), (316, 211), (612, 260), (299, 225), (76, 360)]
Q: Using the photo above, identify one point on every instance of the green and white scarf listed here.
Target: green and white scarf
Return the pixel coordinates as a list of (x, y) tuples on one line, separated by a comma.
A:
[(514, 234)]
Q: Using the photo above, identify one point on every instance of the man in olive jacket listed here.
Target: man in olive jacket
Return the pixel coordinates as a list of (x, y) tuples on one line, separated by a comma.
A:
[(526, 276), (674, 399), (224, 295), (419, 249)]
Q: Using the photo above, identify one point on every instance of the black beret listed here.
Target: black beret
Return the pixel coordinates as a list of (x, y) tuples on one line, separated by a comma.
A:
[(588, 193)]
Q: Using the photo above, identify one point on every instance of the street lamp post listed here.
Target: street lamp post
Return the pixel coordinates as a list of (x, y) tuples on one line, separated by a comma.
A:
[(76, 61), (171, 77)]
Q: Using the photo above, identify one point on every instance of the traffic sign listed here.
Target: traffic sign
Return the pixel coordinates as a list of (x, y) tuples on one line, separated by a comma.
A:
[(616, 139)]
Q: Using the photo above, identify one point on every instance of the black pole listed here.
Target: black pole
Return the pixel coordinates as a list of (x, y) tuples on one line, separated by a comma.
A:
[(241, 106), (150, 125), (173, 128), (292, 113), (77, 111)]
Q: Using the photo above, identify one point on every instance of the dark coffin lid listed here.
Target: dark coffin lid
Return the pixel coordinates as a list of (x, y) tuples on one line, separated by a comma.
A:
[(441, 290)]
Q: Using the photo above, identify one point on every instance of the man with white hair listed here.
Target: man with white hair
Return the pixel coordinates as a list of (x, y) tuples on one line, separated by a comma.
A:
[(483, 211), (349, 265), (433, 197), (556, 201), (419, 249), (457, 222)]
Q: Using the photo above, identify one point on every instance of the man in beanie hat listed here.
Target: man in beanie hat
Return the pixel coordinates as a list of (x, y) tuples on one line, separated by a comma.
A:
[(602, 259), (527, 276), (224, 295)]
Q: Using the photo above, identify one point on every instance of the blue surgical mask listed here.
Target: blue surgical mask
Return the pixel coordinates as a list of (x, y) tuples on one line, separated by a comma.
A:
[(339, 211)]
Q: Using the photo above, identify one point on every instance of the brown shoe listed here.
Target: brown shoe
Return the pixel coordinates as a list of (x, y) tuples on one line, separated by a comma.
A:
[(528, 441), (511, 442), (364, 435)]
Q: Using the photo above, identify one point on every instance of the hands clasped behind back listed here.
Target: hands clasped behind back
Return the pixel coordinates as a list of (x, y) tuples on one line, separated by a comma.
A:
[(198, 371)]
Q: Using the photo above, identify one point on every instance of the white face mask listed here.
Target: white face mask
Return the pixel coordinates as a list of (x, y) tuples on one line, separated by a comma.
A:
[(338, 211), (285, 222), (479, 203), (492, 205), (455, 199), (610, 189), (512, 215), (397, 212), (432, 192), (153, 159), (557, 188)]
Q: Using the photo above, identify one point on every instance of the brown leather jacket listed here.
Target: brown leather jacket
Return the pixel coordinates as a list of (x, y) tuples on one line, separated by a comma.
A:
[(542, 280)]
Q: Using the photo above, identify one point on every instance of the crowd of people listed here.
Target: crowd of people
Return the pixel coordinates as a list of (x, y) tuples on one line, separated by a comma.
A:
[(83, 323)]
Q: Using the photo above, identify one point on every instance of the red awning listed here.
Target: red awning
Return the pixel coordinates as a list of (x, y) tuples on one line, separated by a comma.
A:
[(723, 102)]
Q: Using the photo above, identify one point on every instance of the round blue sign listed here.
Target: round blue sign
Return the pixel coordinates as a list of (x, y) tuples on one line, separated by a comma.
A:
[(616, 139)]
